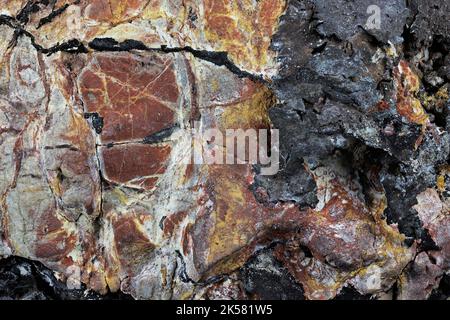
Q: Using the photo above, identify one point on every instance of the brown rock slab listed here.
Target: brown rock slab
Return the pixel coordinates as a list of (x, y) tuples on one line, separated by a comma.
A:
[(135, 95), (137, 165)]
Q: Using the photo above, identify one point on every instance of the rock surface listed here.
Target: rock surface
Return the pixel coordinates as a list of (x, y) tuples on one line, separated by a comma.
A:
[(98, 100)]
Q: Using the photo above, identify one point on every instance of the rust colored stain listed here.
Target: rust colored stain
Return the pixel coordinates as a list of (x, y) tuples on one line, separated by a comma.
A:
[(407, 83), (133, 246), (243, 28), (135, 95), (53, 242), (114, 11), (343, 231), (186, 241), (172, 222), (138, 165), (229, 226)]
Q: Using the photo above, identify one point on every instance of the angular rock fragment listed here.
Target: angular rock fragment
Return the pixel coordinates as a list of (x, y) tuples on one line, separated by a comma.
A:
[(344, 19), (135, 96)]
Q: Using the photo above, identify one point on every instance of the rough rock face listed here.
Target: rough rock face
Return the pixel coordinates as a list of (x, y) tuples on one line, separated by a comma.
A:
[(101, 195)]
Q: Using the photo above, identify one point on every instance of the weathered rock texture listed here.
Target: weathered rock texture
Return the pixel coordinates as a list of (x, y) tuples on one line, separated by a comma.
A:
[(95, 100)]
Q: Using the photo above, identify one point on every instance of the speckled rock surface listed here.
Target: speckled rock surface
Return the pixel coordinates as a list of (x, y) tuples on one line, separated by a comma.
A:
[(97, 200)]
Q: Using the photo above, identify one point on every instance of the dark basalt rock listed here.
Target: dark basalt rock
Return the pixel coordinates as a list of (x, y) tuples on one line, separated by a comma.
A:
[(329, 86), (350, 293), (429, 20), (265, 278), (292, 183)]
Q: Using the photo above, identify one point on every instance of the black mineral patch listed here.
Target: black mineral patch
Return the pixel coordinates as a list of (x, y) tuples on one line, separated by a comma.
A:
[(264, 278), (23, 279), (344, 19)]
